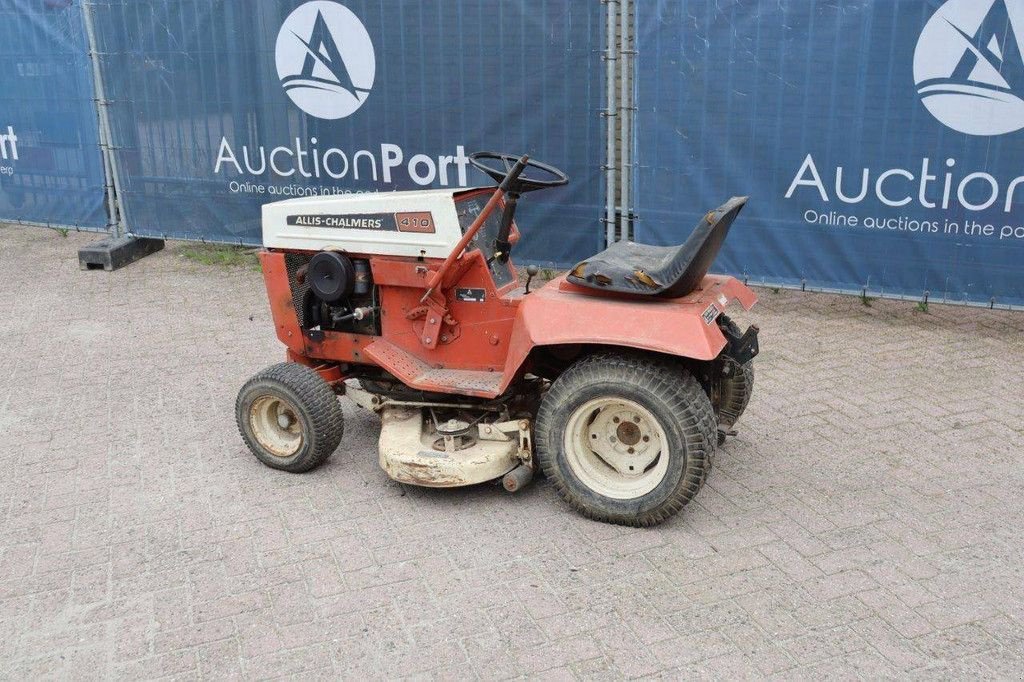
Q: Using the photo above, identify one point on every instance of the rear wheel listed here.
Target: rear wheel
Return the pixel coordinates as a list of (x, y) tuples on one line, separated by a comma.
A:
[(735, 387), (289, 417), (626, 439)]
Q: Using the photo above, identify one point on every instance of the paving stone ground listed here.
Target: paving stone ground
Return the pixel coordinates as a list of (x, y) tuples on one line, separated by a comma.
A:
[(867, 522)]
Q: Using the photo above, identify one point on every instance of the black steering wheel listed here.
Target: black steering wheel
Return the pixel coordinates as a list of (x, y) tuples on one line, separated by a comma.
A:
[(521, 183)]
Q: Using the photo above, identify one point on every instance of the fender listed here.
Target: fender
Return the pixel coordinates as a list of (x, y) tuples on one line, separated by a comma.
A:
[(562, 313)]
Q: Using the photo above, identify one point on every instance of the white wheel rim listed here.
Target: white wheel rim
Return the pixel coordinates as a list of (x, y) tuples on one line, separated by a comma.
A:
[(616, 448), (275, 424)]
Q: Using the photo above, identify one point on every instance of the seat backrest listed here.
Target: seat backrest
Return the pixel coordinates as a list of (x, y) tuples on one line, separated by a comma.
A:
[(698, 253)]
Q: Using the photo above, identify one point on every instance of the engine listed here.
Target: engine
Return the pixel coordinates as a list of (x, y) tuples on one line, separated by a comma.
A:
[(333, 292)]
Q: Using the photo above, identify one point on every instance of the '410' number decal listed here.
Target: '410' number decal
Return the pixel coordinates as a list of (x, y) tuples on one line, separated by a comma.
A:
[(415, 222)]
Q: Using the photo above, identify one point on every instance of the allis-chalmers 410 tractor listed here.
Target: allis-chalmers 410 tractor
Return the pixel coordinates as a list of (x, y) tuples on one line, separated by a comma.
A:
[(618, 380)]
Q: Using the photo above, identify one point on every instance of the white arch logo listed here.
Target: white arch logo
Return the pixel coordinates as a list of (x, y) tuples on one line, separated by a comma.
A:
[(968, 66), (325, 60)]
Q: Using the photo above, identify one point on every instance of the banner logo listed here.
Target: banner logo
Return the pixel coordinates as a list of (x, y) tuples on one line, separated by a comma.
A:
[(968, 66), (8, 151), (325, 60), (9, 145)]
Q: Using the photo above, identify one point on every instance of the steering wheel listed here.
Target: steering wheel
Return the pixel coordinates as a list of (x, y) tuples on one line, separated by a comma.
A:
[(550, 176)]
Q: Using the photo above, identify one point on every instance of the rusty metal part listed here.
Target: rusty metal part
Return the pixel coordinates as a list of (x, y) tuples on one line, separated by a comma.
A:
[(330, 372), (628, 433), (516, 480)]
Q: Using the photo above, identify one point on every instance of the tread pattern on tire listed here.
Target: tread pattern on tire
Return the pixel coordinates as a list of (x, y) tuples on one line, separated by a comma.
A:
[(667, 382), (317, 400), (736, 388)]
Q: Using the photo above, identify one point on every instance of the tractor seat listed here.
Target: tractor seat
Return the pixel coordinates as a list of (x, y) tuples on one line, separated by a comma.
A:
[(667, 271)]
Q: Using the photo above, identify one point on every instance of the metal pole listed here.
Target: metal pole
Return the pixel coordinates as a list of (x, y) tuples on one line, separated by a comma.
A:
[(118, 216), (108, 186), (611, 117), (625, 118)]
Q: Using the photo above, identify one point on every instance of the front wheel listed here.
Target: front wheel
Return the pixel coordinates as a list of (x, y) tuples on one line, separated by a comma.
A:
[(289, 417), (626, 439)]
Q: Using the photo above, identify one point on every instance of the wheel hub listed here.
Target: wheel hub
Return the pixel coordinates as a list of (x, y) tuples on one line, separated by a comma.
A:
[(628, 433), (615, 447), (275, 426), (624, 439)]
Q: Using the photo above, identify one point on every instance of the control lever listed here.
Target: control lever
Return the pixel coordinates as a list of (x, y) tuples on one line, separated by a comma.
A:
[(471, 233), (531, 272)]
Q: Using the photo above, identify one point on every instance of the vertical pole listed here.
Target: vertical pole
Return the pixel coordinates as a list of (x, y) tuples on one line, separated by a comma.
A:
[(625, 119), (118, 217), (108, 187), (611, 118)]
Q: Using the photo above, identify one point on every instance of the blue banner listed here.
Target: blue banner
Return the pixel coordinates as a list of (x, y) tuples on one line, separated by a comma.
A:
[(880, 142), (51, 168), (220, 106)]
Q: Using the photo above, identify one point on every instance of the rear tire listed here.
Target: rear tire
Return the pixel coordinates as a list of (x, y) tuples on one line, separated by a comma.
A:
[(609, 413), (289, 417), (735, 387)]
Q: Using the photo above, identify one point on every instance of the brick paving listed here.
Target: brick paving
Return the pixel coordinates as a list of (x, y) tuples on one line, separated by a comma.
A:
[(868, 521)]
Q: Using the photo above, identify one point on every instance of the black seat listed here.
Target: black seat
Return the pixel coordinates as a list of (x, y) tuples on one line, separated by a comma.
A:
[(668, 271)]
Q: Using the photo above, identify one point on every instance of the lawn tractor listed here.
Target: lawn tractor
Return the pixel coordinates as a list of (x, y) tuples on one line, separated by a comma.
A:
[(617, 380)]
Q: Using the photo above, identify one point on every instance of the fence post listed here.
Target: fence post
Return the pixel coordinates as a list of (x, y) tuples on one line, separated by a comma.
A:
[(611, 114), (112, 185), (119, 249), (627, 37)]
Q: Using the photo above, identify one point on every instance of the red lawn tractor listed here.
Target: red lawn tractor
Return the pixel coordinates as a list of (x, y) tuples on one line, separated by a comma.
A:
[(617, 380)]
